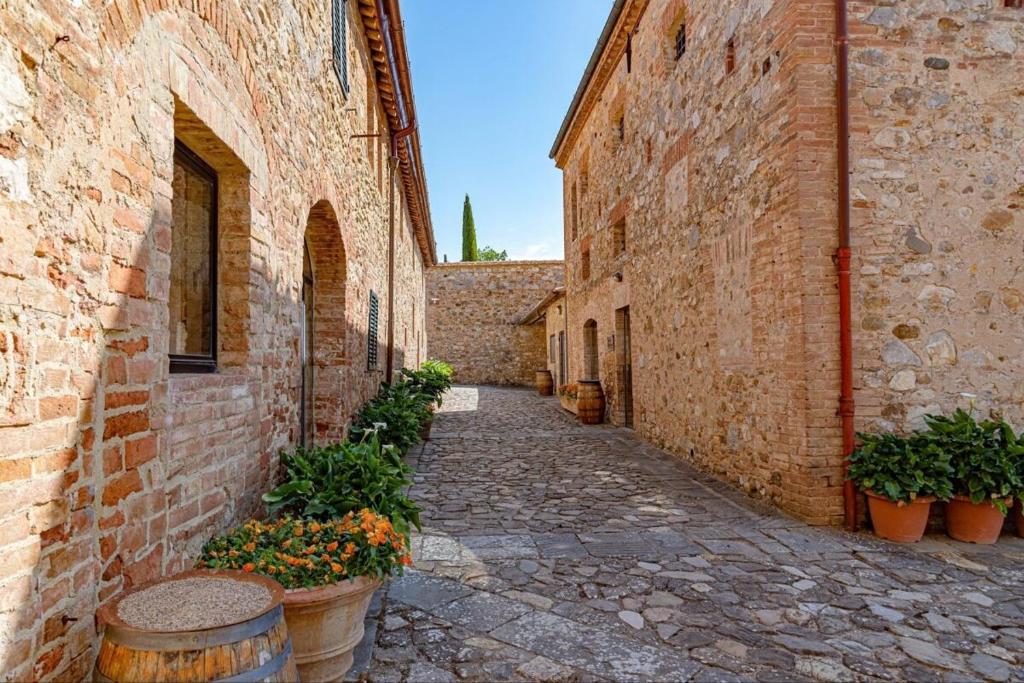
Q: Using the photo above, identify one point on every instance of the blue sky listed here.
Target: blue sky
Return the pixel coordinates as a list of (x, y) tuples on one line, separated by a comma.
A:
[(493, 80)]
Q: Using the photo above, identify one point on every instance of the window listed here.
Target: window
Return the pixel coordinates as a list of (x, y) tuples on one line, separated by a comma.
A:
[(680, 40), (192, 298), (551, 350), (372, 345), (585, 264), (730, 56), (619, 237), (339, 32), (575, 207)]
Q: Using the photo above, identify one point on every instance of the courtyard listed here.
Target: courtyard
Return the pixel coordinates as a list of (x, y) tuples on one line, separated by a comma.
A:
[(645, 569)]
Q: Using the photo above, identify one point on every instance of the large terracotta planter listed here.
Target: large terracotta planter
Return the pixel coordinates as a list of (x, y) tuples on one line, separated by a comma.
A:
[(590, 402), (903, 523), (326, 625), (1018, 518), (545, 384), (569, 403), (973, 522)]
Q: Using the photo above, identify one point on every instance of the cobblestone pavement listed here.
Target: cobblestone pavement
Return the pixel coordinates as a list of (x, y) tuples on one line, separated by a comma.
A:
[(553, 551)]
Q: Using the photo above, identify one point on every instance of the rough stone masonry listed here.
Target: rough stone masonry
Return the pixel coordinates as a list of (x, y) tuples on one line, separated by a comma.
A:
[(700, 198), (114, 470)]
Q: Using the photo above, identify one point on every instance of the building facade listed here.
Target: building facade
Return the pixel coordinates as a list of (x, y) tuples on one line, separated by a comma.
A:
[(474, 314), (701, 207), (214, 221)]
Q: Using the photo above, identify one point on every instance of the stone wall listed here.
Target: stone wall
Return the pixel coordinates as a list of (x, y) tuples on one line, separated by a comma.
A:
[(718, 168), (112, 469), (474, 313)]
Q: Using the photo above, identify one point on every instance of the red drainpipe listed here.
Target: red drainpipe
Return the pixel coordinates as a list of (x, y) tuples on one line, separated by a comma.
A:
[(846, 404)]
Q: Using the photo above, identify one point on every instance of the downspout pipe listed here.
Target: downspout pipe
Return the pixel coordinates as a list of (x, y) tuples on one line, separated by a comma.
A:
[(847, 409)]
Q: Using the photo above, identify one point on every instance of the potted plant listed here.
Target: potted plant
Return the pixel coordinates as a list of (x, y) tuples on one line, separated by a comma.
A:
[(985, 457), (901, 476), (329, 570), (567, 396)]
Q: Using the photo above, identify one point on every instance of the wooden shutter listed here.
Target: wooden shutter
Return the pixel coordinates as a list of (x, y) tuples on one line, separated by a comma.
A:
[(372, 347), (340, 46)]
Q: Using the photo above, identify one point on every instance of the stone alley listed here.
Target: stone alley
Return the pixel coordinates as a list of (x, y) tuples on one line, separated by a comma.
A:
[(646, 569)]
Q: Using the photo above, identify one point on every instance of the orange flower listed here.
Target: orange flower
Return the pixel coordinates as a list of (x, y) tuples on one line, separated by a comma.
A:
[(271, 569), (406, 560), (336, 568), (287, 544), (248, 567), (298, 530), (314, 527), (249, 547), (310, 550), (350, 548), (332, 546)]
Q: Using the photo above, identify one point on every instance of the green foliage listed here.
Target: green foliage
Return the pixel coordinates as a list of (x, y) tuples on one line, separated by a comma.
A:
[(901, 468), (469, 250), (986, 456), (491, 254), (432, 379), (395, 415), (326, 482), (303, 553)]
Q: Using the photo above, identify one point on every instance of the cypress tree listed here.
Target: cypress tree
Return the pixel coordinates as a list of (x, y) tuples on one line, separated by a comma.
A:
[(469, 251)]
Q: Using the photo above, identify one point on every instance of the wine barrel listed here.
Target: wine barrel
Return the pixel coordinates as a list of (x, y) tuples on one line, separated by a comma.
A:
[(545, 385), (590, 402), (233, 629)]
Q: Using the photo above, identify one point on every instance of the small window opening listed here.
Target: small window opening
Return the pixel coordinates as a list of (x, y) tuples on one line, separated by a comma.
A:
[(339, 33), (575, 208), (766, 66), (730, 56), (680, 41), (619, 236), (372, 344), (585, 264)]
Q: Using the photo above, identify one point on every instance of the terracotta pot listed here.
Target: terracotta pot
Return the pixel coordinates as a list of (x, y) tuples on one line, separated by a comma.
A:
[(973, 522), (590, 402), (545, 384), (1018, 518), (901, 523), (326, 625)]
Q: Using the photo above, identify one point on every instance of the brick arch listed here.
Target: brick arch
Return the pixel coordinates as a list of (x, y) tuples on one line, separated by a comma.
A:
[(124, 18), (326, 248)]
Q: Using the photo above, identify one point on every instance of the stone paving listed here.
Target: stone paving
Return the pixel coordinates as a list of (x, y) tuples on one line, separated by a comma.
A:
[(553, 551)]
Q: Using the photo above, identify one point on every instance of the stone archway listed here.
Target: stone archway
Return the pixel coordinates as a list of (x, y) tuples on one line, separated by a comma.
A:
[(323, 325)]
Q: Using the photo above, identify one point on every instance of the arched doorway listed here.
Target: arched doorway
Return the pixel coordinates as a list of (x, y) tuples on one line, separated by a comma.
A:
[(322, 411), (590, 358), (306, 344)]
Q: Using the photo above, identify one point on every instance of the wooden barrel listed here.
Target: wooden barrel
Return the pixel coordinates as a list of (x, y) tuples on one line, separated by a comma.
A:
[(545, 385), (590, 402), (223, 641)]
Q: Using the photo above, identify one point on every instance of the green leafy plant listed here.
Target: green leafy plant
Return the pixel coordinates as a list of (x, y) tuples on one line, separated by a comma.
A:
[(304, 553), (986, 456), (395, 415), (327, 482), (433, 379), (901, 468), (569, 390)]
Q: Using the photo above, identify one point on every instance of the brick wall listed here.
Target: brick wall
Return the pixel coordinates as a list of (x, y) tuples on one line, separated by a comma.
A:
[(726, 181), (112, 470), (474, 313)]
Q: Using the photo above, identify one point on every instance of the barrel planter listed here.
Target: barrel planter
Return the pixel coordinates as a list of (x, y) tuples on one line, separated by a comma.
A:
[(545, 383), (327, 625), (233, 628), (590, 402)]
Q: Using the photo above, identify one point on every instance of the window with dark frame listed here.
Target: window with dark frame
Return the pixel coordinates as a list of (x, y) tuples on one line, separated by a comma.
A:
[(192, 295), (680, 40), (339, 33), (730, 56), (372, 345)]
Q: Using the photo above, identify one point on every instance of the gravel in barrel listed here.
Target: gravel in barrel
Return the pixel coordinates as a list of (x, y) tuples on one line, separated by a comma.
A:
[(194, 603)]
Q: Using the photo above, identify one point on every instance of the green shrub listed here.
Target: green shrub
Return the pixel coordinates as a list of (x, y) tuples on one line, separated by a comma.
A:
[(326, 482), (901, 468), (395, 415), (986, 456), (433, 379)]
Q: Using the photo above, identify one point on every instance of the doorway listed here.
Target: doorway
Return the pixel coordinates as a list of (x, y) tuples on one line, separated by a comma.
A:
[(624, 369), (306, 337), (563, 360)]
